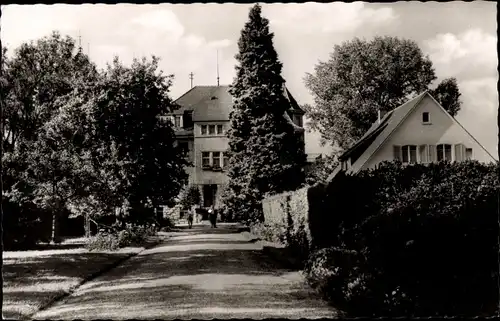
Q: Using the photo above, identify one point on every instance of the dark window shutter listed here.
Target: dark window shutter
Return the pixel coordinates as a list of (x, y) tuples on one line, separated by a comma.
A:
[(432, 153), (424, 154), (459, 152), (397, 152)]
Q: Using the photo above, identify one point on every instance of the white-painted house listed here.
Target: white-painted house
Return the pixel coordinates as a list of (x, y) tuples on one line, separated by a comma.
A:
[(419, 131)]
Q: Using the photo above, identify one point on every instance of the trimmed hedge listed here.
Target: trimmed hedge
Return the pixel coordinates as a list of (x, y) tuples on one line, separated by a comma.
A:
[(410, 241), (286, 222)]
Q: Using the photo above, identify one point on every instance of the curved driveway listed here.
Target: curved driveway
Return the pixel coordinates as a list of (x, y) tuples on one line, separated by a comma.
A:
[(201, 273)]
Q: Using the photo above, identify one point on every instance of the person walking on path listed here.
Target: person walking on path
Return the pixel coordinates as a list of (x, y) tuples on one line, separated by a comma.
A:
[(213, 216), (190, 218)]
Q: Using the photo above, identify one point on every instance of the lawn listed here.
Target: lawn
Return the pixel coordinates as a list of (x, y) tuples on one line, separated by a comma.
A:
[(32, 279)]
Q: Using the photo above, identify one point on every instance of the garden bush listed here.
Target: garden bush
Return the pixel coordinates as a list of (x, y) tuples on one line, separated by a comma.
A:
[(426, 239), (103, 241), (190, 196), (271, 232), (332, 271), (114, 238)]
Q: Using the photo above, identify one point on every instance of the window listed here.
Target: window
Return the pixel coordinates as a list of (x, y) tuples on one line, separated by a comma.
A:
[(219, 130), (216, 159), (409, 154), (205, 159), (426, 118), (443, 152), (166, 119), (211, 129), (203, 129), (297, 119), (468, 153), (178, 121)]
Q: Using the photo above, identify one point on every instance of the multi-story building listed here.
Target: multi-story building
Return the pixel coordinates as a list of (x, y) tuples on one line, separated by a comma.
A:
[(201, 124)]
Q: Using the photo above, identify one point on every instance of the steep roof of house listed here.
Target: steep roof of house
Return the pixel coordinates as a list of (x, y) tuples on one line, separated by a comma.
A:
[(378, 133), (214, 103)]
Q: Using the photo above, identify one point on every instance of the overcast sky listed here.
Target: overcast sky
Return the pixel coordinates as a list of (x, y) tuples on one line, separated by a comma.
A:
[(459, 37)]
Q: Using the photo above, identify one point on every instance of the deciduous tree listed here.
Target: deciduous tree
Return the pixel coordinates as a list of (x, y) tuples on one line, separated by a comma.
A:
[(448, 95), (38, 159), (133, 145), (362, 77)]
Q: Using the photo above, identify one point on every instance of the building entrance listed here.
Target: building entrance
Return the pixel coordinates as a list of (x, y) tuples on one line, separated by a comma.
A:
[(209, 192)]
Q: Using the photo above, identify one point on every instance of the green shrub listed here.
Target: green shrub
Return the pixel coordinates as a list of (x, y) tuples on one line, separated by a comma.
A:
[(271, 232), (103, 241), (426, 238), (332, 271), (190, 196), (297, 239), (132, 235)]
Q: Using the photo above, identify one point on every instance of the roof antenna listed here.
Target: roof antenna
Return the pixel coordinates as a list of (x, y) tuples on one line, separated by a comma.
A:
[(191, 75), (79, 42), (217, 67)]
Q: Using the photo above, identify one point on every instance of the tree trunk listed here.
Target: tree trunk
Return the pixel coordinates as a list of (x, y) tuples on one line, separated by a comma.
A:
[(56, 238), (87, 225), (55, 215)]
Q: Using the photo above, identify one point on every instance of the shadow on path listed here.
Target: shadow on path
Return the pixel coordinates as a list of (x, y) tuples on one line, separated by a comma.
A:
[(198, 273)]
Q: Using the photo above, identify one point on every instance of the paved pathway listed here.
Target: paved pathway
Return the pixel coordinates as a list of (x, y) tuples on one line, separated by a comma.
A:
[(201, 273)]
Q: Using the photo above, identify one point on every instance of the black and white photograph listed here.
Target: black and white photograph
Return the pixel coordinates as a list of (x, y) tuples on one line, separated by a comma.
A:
[(249, 160)]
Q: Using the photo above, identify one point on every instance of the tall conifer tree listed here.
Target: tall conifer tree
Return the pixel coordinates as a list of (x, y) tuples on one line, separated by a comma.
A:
[(266, 152)]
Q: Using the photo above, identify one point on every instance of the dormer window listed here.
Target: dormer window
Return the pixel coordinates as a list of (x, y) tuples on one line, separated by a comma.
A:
[(426, 119), (297, 119)]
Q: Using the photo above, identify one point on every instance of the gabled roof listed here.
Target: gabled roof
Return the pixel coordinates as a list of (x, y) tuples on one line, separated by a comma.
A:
[(214, 103), (294, 106), (208, 103), (378, 133), (362, 151)]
